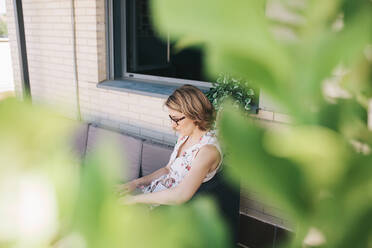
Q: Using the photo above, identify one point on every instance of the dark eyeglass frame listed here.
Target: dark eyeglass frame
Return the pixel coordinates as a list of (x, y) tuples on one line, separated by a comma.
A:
[(177, 120)]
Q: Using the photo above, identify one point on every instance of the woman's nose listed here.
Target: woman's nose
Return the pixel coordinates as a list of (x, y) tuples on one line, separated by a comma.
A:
[(173, 124)]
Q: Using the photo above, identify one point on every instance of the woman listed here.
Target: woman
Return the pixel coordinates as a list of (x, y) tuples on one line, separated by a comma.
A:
[(196, 156)]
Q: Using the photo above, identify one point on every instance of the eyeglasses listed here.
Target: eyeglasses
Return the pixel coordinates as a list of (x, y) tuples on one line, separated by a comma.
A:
[(177, 120)]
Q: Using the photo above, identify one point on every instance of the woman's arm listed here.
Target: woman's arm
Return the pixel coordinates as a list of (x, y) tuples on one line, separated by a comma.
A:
[(146, 180), (142, 181), (207, 158)]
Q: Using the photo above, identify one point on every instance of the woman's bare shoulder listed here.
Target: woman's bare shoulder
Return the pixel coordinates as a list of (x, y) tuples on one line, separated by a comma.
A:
[(209, 150)]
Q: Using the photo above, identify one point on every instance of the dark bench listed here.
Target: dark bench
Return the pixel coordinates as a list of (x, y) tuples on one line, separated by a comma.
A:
[(227, 197)]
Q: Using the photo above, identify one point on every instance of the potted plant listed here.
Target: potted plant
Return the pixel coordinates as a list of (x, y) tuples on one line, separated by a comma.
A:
[(238, 89)]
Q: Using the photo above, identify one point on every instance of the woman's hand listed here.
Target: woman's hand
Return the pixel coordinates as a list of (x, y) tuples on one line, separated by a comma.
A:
[(126, 188)]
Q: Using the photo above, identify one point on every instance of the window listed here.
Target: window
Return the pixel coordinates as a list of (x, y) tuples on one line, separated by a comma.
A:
[(142, 62), (137, 51)]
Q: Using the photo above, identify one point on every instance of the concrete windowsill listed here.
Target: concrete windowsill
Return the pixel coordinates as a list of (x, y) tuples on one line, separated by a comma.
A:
[(161, 90), (153, 89)]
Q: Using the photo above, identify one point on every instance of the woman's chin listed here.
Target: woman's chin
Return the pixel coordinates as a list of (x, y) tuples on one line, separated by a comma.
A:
[(180, 133)]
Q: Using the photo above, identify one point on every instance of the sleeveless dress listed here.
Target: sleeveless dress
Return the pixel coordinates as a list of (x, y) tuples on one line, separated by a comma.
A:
[(180, 166)]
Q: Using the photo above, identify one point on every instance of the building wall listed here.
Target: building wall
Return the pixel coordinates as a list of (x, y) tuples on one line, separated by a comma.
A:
[(50, 47), (13, 48)]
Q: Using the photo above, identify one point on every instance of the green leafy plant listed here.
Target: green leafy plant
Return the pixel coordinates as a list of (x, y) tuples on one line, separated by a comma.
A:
[(311, 169), (228, 86), (56, 202)]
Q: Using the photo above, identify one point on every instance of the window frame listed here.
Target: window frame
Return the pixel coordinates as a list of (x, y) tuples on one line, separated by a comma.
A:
[(111, 46)]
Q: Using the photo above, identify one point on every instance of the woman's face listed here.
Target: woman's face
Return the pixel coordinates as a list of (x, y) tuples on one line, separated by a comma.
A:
[(180, 123)]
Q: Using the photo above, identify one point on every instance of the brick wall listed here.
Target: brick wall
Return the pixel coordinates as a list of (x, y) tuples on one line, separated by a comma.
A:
[(131, 113), (49, 51), (13, 48), (251, 203)]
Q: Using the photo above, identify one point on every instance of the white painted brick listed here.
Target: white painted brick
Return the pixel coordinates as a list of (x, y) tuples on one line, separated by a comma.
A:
[(110, 123), (282, 118), (85, 49), (122, 107), (138, 109), (151, 102), (86, 27), (118, 118), (150, 126), (64, 4), (101, 114), (87, 56), (88, 77), (80, 11), (60, 12), (100, 6), (125, 99), (89, 64), (266, 115), (130, 128), (109, 111), (128, 114), (118, 94), (90, 11), (167, 123), (170, 138), (150, 119), (162, 114), (134, 98), (86, 19), (86, 34), (151, 134), (273, 125), (85, 4), (86, 116), (139, 123)]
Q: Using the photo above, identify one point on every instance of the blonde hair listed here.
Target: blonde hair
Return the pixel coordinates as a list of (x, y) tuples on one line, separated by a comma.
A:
[(192, 102)]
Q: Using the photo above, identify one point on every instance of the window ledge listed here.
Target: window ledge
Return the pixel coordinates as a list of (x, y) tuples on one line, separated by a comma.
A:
[(141, 87), (153, 89)]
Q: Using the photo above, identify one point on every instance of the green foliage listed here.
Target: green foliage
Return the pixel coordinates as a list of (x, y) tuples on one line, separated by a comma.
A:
[(236, 88), (309, 169), (47, 199), (3, 27)]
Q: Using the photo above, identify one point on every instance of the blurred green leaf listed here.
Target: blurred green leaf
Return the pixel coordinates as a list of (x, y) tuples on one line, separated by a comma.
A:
[(322, 152), (279, 179), (186, 42), (312, 169), (57, 202), (215, 24)]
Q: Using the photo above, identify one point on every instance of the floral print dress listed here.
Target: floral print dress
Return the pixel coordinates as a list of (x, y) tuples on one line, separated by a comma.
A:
[(180, 166)]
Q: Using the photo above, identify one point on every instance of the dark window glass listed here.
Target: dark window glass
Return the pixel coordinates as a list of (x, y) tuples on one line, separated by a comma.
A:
[(148, 54)]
